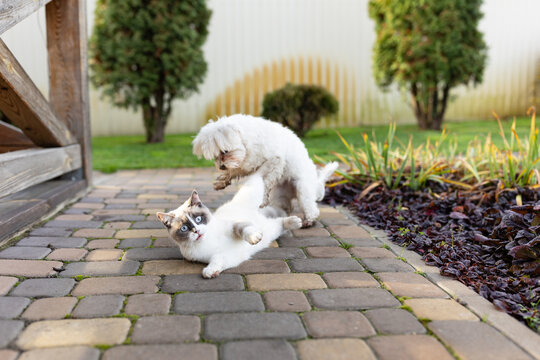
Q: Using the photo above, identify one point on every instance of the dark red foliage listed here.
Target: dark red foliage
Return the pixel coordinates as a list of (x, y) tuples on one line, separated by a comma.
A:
[(487, 243)]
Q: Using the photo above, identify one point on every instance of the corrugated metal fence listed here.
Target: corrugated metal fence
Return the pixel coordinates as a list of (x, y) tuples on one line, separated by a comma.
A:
[(255, 46)]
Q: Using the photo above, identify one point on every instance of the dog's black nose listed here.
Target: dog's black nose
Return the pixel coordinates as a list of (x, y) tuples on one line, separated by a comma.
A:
[(223, 167)]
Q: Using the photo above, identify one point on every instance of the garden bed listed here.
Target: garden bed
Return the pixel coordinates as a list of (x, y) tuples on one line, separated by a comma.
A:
[(480, 237)]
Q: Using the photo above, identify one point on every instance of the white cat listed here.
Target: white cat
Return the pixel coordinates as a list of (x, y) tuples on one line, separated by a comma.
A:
[(236, 231)]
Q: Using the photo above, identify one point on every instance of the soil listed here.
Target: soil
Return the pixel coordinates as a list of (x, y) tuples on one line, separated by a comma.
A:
[(480, 237)]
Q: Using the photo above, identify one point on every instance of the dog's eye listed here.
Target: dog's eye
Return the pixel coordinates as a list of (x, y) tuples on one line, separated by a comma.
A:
[(184, 228), (225, 151), (198, 219)]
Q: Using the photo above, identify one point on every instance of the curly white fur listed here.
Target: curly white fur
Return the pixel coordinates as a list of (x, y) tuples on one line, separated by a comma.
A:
[(243, 144)]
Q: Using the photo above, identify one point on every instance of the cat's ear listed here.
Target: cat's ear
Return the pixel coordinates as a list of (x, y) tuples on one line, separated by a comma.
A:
[(165, 218), (194, 200)]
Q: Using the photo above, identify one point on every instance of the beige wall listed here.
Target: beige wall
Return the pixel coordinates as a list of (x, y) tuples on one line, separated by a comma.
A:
[(257, 45)]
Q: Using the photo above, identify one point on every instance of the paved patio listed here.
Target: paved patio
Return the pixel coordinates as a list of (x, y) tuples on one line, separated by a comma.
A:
[(335, 291)]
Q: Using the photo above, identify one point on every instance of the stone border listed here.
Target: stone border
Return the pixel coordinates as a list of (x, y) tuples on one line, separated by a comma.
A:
[(520, 334)]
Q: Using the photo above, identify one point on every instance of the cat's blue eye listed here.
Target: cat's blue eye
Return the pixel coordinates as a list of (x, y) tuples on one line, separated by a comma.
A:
[(198, 219), (184, 228)]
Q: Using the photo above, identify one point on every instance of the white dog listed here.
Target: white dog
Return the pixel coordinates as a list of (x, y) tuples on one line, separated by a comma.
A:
[(243, 144)]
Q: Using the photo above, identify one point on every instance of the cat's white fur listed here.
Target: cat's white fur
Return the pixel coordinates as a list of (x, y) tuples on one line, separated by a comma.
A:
[(217, 244)]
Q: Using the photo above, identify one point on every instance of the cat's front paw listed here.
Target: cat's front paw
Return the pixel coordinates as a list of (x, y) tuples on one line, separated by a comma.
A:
[(211, 272), (292, 223), (253, 237)]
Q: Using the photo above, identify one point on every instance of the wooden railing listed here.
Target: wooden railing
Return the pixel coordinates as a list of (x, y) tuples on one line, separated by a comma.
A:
[(60, 127)]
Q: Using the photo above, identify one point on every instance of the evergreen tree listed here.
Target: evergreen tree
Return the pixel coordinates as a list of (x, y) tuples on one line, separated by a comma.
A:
[(146, 53), (428, 47)]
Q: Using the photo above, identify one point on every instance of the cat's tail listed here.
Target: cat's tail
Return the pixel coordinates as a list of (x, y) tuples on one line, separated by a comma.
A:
[(323, 175)]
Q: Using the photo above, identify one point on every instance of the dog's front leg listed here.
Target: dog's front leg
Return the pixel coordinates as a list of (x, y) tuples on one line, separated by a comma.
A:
[(222, 181), (271, 171)]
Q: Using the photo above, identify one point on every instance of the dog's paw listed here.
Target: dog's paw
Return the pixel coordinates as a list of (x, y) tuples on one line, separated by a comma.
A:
[(210, 272), (307, 223), (220, 185), (253, 237), (292, 223)]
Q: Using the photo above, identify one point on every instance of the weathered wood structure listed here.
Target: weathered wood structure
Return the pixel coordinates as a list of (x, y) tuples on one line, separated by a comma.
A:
[(45, 154)]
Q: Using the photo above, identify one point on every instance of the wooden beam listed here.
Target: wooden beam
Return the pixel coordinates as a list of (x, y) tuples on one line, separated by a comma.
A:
[(24, 105), (14, 11), (68, 71), (24, 168), (12, 138)]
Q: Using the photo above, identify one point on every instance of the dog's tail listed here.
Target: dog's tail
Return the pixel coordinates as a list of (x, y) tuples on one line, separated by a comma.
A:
[(323, 175)]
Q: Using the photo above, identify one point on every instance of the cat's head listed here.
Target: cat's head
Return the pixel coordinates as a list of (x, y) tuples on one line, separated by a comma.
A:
[(188, 222)]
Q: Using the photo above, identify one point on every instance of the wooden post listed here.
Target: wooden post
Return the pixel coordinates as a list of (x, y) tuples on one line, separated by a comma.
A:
[(68, 71)]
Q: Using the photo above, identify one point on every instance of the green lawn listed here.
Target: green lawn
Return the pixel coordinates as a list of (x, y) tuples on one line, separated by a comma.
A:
[(111, 153)]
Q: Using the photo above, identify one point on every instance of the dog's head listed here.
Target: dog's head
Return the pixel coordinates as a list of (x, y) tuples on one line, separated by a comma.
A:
[(221, 142)]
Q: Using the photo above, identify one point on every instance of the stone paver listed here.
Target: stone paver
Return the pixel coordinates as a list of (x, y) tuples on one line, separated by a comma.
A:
[(148, 304), (217, 302), (44, 287), (6, 283), (258, 349), (49, 308), (268, 282), (292, 301), (11, 306), (411, 285), (98, 306), (440, 309), (253, 326), (166, 329), (162, 352), (350, 280), (414, 347), (62, 353), (67, 254), (338, 349), (352, 299), (102, 280), (394, 321), (328, 324), (53, 333), (117, 285)]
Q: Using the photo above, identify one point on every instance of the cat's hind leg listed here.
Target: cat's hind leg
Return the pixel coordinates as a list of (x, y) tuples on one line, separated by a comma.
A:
[(246, 231)]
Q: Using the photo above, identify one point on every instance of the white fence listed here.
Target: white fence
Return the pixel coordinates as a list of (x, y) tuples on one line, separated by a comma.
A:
[(255, 46)]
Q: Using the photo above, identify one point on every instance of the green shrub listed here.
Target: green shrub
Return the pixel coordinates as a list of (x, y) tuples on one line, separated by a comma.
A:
[(145, 54), (428, 47), (299, 107)]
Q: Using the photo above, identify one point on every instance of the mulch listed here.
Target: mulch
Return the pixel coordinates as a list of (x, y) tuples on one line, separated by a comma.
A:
[(481, 238)]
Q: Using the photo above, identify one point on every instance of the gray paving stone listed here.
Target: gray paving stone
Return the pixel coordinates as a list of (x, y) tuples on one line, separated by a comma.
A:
[(196, 283), (162, 352), (43, 231), (363, 242), (387, 265), (135, 243), (120, 206), (143, 254), (328, 324), (119, 217), (74, 224), (11, 306), (24, 252), (217, 302), (54, 242), (254, 326), (44, 287), (476, 340), (280, 253), (305, 242), (74, 211), (9, 329), (101, 268), (325, 265), (98, 306), (62, 353), (147, 225), (394, 321), (166, 329), (352, 299), (258, 349), (148, 304)]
